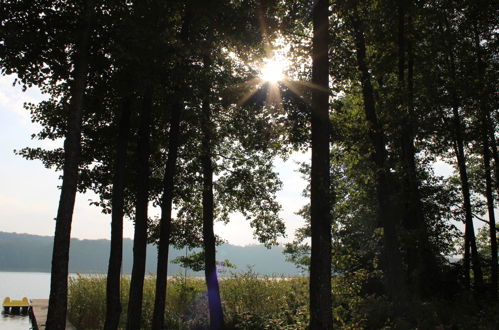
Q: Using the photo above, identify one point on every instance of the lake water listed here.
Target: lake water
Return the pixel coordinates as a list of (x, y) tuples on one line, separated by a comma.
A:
[(17, 285)]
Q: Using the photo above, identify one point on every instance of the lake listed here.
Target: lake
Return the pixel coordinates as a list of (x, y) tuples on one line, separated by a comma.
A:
[(22, 284), (17, 285)]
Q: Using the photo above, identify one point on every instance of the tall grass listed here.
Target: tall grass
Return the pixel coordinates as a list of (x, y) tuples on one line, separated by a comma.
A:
[(249, 302)]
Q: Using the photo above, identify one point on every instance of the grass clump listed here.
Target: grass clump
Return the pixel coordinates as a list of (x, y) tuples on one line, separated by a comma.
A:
[(249, 301), (87, 301)]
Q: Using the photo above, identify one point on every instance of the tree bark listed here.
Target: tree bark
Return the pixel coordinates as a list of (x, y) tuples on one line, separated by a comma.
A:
[(470, 240), (484, 117), (165, 222), (495, 154), (490, 207), (493, 232), (113, 301), (168, 193), (141, 206), (320, 201), (420, 264), (210, 269), (57, 309), (392, 261)]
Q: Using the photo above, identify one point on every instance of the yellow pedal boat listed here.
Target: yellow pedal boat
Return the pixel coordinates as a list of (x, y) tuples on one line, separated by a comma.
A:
[(16, 306)]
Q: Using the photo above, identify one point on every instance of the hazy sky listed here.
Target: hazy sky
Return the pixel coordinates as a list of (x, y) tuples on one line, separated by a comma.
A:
[(29, 193)]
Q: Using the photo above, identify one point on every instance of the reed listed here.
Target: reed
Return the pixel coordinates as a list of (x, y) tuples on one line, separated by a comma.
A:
[(250, 301)]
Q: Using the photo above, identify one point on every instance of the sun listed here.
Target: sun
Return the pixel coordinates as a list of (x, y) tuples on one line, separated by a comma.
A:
[(272, 70)]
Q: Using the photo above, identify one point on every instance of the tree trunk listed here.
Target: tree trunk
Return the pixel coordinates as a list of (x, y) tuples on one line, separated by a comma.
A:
[(168, 193), (465, 188), (210, 269), (484, 117), (165, 222), (420, 263), (493, 232), (392, 261), (490, 207), (113, 301), (320, 202), (470, 241), (141, 206), (467, 261), (57, 309), (495, 154)]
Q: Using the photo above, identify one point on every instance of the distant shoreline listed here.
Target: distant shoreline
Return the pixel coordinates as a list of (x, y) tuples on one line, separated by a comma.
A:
[(32, 253)]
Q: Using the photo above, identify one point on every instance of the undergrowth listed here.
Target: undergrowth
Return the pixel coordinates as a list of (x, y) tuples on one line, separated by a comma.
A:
[(255, 302)]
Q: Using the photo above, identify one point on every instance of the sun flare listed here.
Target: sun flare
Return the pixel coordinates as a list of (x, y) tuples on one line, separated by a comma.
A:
[(275, 72), (272, 71)]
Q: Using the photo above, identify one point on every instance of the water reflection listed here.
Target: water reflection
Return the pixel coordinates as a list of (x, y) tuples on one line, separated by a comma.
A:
[(17, 285), (15, 322)]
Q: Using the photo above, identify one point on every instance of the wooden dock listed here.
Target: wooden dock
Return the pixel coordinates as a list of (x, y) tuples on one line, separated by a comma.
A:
[(38, 314)]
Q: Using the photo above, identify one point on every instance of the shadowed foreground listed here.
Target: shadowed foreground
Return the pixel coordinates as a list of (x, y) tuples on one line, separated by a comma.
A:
[(251, 301)]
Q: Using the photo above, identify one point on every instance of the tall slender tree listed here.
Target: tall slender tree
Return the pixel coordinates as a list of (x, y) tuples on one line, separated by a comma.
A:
[(210, 269), (113, 281), (166, 215), (490, 207), (489, 195), (458, 144), (169, 180), (320, 202), (392, 260), (56, 316), (134, 311), (420, 261), (495, 154)]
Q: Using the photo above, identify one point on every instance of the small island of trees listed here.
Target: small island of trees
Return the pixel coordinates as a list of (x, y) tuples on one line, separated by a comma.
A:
[(185, 105)]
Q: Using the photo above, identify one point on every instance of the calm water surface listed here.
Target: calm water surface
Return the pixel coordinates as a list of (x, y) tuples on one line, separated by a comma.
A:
[(22, 284)]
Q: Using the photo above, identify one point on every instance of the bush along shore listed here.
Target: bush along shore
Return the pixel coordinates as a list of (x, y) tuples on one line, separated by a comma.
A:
[(252, 301)]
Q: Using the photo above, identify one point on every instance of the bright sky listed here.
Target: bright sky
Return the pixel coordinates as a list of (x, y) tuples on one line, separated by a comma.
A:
[(29, 193)]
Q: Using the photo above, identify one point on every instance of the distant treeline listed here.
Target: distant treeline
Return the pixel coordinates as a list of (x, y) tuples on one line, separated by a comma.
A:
[(23, 252)]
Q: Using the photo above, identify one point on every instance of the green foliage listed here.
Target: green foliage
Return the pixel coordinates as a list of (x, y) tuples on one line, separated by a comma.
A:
[(254, 302), (195, 261), (86, 301), (251, 301)]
